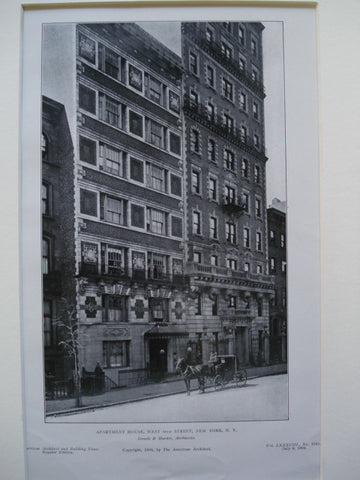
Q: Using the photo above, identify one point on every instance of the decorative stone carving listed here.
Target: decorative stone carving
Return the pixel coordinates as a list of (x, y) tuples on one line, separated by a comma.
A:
[(139, 308), (117, 332), (90, 307)]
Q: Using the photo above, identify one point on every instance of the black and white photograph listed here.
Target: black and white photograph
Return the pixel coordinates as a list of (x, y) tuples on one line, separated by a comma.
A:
[(164, 213)]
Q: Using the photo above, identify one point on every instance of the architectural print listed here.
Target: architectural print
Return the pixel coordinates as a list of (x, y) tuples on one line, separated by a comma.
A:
[(157, 240)]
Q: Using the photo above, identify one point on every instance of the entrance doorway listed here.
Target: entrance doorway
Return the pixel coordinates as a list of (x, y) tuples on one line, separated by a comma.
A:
[(158, 349), (241, 345)]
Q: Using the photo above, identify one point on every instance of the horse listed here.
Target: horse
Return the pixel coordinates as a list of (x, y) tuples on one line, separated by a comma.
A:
[(188, 372)]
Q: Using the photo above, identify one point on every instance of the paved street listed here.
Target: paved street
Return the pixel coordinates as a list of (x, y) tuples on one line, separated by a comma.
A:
[(264, 398)]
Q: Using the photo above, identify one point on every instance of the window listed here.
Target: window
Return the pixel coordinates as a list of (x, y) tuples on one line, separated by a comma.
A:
[(175, 143), (157, 265), (253, 47), (109, 61), (110, 110), (87, 48), (89, 257), (256, 174), (245, 201), (136, 124), (193, 63), (155, 133), (283, 266), (254, 75), (156, 177), (243, 101), (156, 221), (241, 35), (214, 306), (259, 307), (242, 64), (283, 297), (176, 227), (212, 188), (209, 35), (229, 159), (243, 133), (116, 354), (230, 232), (154, 90), (44, 148), (258, 207), (88, 202), (229, 123), (135, 78), (115, 308), (111, 160), (214, 260), (246, 238), (211, 151), (175, 185), (227, 89), (87, 150), (158, 309), (45, 262), (273, 264), (282, 240), (256, 110), (272, 235), (246, 267), (197, 257), (48, 323), (174, 102), (196, 223), (195, 181), (113, 209), (256, 141), (231, 263), (136, 170), (137, 216), (46, 199), (114, 259), (245, 168), (210, 112), (210, 76), (198, 305), (229, 194), (194, 99), (258, 241), (226, 50), (232, 301), (194, 141), (213, 228), (87, 99)]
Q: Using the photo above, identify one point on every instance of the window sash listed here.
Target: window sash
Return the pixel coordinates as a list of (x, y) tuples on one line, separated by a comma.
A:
[(116, 354), (156, 219), (113, 210)]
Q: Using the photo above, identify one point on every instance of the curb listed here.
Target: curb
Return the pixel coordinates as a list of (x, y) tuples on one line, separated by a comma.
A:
[(140, 399)]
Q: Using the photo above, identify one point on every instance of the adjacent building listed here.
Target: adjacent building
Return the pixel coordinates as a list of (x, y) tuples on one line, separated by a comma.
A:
[(277, 264), (58, 247), (226, 248)]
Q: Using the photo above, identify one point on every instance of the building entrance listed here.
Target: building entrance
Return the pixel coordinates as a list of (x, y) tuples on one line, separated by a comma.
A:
[(158, 350), (241, 345)]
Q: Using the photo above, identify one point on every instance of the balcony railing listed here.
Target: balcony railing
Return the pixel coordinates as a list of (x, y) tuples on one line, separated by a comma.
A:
[(215, 123), (92, 270), (215, 50), (198, 268), (233, 205)]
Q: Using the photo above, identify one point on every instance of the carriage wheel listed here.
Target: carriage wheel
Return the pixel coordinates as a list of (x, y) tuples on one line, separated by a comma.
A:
[(218, 382), (241, 378)]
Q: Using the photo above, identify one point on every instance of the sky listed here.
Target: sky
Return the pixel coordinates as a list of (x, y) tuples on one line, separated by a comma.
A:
[(58, 83)]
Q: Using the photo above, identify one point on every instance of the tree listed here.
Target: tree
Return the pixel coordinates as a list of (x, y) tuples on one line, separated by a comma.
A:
[(70, 342)]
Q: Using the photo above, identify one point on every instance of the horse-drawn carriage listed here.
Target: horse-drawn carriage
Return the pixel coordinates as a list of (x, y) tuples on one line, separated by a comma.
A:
[(225, 370), (218, 372)]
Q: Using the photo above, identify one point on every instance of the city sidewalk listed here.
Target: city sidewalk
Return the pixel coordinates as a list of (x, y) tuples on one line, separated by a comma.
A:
[(143, 392)]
